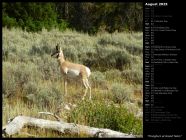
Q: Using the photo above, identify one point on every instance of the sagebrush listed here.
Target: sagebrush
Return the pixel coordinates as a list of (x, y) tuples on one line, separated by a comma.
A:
[(32, 78)]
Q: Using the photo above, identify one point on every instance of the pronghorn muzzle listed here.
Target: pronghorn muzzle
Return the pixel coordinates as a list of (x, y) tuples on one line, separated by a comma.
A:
[(53, 54)]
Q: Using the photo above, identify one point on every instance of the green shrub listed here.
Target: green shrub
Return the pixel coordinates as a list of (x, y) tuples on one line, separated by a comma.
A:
[(9, 83), (101, 115), (9, 21), (43, 95), (111, 57), (5, 54), (11, 57), (97, 79), (62, 25), (118, 59), (48, 96), (40, 50), (113, 74), (16, 76), (31, 88), (49, 68), (135, 74), (71, 54), (121, 92)]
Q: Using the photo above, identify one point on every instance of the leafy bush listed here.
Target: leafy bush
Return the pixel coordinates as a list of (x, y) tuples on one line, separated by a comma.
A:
[(40, 50), (9, 83), (129, 41), (43, 94), (121, 92), (135, 74), (16, 76), (111, 57), (49, 68), (113, 75), (9, 21), (62, 25), (71, 54), (31, 88), (99, 114), (97, 79), (48, 96), (5, 54), (118, 59)]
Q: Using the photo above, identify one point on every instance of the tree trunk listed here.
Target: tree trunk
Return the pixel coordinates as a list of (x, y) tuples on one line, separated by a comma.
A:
[(19, 122)]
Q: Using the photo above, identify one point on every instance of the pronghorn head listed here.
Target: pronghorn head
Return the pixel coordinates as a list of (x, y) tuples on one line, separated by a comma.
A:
[(58, 53)]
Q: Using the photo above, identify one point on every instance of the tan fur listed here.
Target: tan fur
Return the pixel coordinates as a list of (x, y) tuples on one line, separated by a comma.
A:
[(70, 65), (69, 68)]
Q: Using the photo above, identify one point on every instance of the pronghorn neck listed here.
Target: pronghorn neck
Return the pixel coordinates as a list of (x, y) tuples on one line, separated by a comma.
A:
[(61, 60)]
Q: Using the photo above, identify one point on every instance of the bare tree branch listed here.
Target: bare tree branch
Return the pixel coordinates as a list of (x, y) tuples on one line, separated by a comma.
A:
[(52, 114)]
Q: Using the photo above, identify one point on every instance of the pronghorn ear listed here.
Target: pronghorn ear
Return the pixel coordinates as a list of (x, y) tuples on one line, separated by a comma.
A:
[(57, 47)]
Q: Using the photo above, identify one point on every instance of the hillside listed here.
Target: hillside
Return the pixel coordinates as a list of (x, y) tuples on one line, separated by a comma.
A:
[(32, 81)]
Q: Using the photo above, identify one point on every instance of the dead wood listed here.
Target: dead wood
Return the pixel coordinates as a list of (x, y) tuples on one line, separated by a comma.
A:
[(19, 122)]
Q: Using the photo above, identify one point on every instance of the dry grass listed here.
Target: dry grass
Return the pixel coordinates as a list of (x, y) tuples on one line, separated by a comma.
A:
[(32, 81)]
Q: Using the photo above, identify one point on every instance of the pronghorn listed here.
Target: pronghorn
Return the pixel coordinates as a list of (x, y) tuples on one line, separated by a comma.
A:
[(72, 70)]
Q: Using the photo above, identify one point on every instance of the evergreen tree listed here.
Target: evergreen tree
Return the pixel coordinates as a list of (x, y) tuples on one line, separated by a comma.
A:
[(88, 17)]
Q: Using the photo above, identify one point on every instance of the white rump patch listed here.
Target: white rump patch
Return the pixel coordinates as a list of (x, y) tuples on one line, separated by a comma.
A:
[(73, 73), (88, 71)]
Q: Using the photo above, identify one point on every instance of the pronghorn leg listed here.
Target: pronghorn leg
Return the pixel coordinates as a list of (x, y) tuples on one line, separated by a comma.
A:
[(65, 86), (86, 87)]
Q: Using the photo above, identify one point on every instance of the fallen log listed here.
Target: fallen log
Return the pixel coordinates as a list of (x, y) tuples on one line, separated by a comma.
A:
[(19, 122)]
